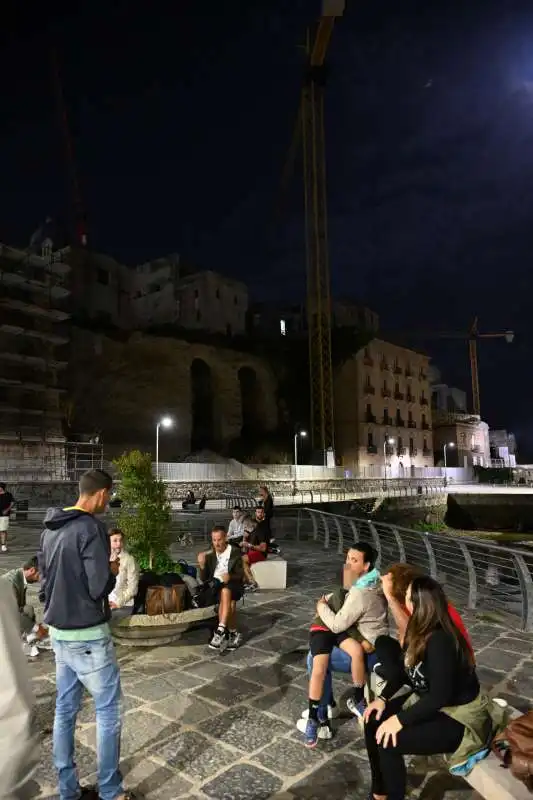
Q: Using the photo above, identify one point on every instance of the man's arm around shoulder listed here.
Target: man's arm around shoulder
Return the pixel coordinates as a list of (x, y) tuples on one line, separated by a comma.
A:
[(350, 613)]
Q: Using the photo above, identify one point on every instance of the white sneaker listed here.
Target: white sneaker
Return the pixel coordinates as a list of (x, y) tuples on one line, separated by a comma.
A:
[(324, 731), (218, 639), (4, 548), (333, 713)]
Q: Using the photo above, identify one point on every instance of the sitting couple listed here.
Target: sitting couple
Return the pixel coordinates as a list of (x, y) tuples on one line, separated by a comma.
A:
[(444, 711)]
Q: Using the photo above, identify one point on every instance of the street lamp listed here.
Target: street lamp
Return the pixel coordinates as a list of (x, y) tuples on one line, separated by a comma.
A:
[(388, 441), (449, 444), (164, 422), (303, 434)]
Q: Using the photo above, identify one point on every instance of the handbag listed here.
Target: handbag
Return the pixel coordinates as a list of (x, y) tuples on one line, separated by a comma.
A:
[(165, 599), (515, 748)]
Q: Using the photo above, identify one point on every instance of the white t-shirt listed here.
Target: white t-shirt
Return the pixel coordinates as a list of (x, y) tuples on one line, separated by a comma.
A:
[(222, 563), (236, 528)]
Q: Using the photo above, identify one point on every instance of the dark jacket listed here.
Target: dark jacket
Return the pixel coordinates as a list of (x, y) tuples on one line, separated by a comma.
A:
[(74, 565), (235, 568)]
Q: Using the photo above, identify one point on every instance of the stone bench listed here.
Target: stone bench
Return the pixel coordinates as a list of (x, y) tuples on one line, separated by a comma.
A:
[(141, 630), (493, 782), (271, 574)]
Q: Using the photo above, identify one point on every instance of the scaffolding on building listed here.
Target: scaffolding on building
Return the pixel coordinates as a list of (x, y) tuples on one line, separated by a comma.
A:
[(48, 462)]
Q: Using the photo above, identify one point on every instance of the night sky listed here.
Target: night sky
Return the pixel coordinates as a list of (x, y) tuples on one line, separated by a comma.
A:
[(182, 118)]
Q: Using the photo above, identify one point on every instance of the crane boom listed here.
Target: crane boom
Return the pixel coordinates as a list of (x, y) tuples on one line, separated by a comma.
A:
[(318, 275)]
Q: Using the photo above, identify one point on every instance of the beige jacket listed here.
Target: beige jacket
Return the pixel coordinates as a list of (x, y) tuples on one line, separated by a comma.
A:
[(19, 752), (127, 583), (366, 608)]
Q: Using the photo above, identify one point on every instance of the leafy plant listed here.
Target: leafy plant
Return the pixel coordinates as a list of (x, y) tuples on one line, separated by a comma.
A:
[(144, 516), (430, 527)]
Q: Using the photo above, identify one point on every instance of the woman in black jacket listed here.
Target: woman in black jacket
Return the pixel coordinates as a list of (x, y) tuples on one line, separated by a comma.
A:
[(438, 665)]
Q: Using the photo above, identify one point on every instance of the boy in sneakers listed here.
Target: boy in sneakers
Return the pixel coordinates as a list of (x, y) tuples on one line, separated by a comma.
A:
[(351, 617), (222, 566)]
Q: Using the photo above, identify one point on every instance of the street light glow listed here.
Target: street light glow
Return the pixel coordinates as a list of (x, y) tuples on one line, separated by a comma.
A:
[(303, 434), (166, 422), (390, 441), (451, 444)]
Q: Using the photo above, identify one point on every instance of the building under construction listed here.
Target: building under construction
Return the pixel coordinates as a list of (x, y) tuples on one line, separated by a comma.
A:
[(34, 336)]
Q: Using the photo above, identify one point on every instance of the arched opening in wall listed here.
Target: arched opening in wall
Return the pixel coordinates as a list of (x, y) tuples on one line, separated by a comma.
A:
[(202, 432), (251, 402)]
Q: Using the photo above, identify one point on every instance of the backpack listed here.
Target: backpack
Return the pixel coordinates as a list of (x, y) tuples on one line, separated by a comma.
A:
[(165, 599), (515, 748)]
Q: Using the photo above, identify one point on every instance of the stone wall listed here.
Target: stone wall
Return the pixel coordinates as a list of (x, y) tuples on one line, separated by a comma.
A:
[(122, 386)]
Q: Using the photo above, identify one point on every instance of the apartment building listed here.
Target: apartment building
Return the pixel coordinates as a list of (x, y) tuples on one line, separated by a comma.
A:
[(466, 438), (383, 410), (100, 288), (34, 336), (272, 320), (502, 448)]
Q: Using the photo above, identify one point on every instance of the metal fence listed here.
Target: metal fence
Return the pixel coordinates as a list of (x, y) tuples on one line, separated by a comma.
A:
[(171, 472), (476, 574)]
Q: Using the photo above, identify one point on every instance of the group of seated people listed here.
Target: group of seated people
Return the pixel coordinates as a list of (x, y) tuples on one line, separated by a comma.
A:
[(441, 710)]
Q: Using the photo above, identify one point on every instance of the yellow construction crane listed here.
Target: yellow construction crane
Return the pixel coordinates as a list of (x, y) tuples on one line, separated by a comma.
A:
[(318, 277), (473, 337)]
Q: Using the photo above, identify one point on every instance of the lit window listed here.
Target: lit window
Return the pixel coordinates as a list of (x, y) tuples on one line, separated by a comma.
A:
[(283, 327)]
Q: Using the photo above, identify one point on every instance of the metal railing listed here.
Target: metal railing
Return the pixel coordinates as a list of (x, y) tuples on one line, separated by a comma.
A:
[(475, 574)]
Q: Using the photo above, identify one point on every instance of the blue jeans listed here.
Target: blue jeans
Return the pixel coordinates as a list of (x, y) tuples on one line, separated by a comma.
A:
[(92, 665), (339, 662)]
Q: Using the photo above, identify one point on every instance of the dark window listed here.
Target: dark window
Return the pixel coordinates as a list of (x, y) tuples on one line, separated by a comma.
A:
[(217, 294), (397, 388), (102, 277), (411, 445), (235, 301), (425, 444), (410, 417), (198, 316), (196, 293), (400, 443), (368, 409), (370, 439)]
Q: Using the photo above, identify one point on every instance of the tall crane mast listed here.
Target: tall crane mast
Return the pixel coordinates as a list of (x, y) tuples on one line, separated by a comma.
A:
[(318, 274), (474, 335)]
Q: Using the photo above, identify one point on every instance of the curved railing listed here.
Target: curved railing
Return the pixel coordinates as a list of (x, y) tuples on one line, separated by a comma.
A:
[(476, 574)]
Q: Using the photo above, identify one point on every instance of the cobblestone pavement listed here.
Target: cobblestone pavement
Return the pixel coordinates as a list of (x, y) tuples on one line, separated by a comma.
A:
[(204, 725)]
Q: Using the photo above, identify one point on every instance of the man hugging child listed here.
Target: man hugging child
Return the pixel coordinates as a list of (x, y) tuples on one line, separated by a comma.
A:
[(351, 617)]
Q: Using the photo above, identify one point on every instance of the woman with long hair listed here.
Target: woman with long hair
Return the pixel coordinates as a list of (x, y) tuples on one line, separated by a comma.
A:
[(445, 702)]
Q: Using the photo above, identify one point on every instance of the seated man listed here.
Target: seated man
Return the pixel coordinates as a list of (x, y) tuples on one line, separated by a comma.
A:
[(255, 546), (122, 597), (350, 618), (224, 568), (236, 526), (19, 580)]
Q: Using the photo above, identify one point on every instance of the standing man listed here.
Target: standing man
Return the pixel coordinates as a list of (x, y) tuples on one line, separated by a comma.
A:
[(19, 752), (267, 503), (76, 580), (19, 580), (223, 567), (6, 505)]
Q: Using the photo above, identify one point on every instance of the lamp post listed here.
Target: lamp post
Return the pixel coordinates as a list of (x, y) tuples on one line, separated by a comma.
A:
[(449, 444), (303, 434), (388, 441), (164, 422)]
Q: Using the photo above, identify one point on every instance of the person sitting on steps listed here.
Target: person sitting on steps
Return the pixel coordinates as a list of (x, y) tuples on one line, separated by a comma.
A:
[(255, 547), (351, 617), (224, 568)]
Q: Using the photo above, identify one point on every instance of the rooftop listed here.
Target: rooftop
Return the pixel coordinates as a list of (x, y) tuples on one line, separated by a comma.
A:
[(203, 725)]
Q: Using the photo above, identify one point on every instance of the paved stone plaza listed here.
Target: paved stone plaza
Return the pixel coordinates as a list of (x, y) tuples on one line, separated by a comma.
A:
[(203, 725)]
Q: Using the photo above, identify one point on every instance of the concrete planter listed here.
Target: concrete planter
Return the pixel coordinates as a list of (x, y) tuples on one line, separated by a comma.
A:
[(140, 630)]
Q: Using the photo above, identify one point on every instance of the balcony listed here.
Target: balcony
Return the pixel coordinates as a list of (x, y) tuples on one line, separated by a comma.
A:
[(368, 361), (402, 451), (16, 323), (383, 365), (424, 401), (369, 389), (398, 396), (476, 448), (32, 309), (386, 393), (372, 449), (370, 418), (426, 452), (397, 369), (389, 450), (411, 423), (34, 281), (425, 426), (410, 397), (400, 423), (423, 375), (408, 372), (413, 451)]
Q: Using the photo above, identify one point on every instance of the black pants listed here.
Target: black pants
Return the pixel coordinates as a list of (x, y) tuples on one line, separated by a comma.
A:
[(442, 734)]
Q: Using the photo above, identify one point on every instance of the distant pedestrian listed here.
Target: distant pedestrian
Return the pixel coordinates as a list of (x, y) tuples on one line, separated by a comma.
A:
[(77, 577), (267, 503), (19, 580), (6, 506)]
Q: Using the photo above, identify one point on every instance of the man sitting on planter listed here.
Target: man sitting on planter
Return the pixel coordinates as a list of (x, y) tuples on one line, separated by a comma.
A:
[(222, 568)]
